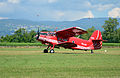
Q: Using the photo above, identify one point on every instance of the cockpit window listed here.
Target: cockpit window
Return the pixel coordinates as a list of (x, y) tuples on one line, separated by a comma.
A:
[(43, 33), (51, 34), (61, 39), (48, 33)]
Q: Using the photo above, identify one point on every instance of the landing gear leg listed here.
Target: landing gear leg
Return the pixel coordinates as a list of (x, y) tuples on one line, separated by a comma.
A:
[(51, 49), (92, 52)]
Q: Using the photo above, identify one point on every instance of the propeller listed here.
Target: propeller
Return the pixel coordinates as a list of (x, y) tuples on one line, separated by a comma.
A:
[(38, 34)]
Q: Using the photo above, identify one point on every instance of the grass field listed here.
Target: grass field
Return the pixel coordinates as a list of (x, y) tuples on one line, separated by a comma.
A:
[(40, 44), (32, 63)]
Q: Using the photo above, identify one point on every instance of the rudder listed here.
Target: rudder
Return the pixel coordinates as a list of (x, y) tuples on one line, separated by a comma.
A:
[(96, 35), (96, 38)]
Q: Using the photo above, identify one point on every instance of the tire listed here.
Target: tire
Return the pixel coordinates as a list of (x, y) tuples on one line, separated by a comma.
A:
[(45, 50), (92, 52), (52, 51)]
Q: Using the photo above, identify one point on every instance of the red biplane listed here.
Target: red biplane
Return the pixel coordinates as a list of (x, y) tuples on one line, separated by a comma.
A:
[(66, 38)]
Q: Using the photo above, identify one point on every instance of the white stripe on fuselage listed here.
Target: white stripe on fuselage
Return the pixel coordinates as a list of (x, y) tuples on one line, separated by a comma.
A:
[(81, 47), (97, 35), (48, 40)]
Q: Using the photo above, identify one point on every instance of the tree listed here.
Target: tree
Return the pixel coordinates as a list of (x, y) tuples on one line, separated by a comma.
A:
[(21, 35), (32, 35), (1, 39), (90, 31), (118, 34), (110, 30)]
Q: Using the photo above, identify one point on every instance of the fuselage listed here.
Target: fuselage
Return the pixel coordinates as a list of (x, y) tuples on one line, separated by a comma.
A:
[(81, 44)]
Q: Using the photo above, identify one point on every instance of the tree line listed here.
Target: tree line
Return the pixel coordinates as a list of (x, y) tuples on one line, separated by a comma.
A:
[(21, 35), (111, 33)]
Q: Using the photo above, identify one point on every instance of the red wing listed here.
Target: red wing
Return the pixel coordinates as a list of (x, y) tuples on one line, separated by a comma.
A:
[(67, 44), (70, 32)]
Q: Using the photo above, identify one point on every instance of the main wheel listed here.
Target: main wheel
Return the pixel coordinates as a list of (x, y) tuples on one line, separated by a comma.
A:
[(45, 50), (52, 51)]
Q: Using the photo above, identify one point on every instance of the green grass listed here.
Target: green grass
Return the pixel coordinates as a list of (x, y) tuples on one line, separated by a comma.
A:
[(111, 44), (40, 44), (20, 44), (32, 63)]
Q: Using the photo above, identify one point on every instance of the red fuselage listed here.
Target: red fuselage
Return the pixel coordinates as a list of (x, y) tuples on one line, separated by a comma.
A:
[(65, 38), (81, 44)]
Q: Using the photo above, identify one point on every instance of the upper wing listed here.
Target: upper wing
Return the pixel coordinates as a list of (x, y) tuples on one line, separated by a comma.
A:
[(70, 32)]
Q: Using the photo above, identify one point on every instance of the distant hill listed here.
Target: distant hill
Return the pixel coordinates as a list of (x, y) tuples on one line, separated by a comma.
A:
[(8, 26)]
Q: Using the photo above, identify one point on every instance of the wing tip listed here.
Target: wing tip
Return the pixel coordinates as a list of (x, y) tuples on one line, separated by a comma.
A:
[(80, 28)]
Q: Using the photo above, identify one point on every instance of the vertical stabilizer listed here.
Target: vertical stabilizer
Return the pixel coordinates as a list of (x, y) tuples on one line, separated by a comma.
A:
[(96, 35), (96, 38)]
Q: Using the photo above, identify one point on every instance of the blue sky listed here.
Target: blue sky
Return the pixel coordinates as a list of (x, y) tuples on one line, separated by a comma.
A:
[(58, 10)]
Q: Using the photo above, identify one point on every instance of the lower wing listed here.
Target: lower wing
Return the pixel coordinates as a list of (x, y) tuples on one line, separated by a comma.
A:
[(67, 44)]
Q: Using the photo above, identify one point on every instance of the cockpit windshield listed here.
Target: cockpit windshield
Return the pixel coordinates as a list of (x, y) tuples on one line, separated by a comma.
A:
[(43, 33), (48, 33), (51, 33)]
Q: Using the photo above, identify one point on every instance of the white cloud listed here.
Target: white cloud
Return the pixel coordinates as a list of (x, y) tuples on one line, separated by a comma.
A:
[(115, 12), (71, 15), (5, 7), (103, 7), (42, 1), (56, 15), (3, 18), (2, 4), (99, 7), (88, 4), (60, 14), (37, 1), (14, 1), (9, 6), (52, 1), (89, 14)]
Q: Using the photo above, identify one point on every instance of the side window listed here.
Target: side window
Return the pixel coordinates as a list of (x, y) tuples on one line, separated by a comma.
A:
[(43, 33), (61, 39), (73, 41), (65, 40), (58, 38)]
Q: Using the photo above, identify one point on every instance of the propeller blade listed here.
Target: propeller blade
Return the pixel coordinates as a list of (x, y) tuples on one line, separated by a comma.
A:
[(38, 33)]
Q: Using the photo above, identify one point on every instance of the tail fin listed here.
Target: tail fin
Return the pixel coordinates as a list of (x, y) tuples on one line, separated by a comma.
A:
[(96, 35), (96, 38)]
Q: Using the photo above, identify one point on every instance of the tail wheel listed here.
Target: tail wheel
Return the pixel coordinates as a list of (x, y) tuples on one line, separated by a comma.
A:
[(45, 50), (52, 51), (92, 52)]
